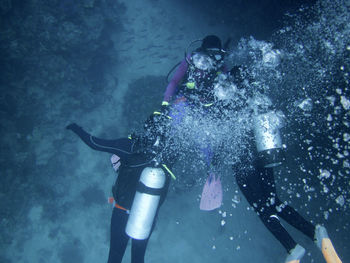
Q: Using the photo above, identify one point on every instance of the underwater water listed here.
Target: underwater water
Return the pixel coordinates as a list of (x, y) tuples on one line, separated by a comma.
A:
[(103, 64)]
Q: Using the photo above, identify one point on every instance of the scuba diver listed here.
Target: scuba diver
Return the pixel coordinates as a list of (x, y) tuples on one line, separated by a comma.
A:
[(140, 183), (257, 184), (191, 89)]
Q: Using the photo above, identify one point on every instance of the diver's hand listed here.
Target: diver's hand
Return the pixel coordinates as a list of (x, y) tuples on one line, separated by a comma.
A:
[(165, 108), (162, 113)]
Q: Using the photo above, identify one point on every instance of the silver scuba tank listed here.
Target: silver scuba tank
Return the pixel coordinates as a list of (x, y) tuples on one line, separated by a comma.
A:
[(145, 204), (268, 139)]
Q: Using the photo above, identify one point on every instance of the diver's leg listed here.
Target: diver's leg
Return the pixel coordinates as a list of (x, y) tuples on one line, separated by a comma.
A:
[(138, 250), (255, 189), (293, 218), (286, 212), (138, 247), (316, 233), (121, 147), (119, 239)]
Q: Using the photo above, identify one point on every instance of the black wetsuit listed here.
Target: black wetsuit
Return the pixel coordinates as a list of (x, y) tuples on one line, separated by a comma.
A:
[(132, 164), (258, 186)]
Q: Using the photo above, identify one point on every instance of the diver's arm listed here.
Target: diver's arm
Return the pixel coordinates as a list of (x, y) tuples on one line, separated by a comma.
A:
[(174, 82), (121, 147)]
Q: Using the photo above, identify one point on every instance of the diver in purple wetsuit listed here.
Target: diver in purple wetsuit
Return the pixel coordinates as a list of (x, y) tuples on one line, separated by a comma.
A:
[(192, 89)]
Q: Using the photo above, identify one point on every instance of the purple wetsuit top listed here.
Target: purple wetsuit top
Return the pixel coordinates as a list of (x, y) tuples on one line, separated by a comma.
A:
[(174, 82)]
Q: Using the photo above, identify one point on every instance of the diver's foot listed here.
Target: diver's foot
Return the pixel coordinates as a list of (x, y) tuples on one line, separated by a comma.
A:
[(325, 245), (295, 254)]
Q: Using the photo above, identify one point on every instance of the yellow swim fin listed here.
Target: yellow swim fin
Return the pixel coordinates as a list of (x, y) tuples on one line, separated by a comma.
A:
[(325, 245), (329, 252)]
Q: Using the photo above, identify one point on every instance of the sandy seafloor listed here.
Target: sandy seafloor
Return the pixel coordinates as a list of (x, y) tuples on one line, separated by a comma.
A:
[(59, 213)]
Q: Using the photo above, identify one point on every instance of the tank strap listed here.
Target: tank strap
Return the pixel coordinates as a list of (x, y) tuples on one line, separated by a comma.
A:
[(142, 188), (111, 200)]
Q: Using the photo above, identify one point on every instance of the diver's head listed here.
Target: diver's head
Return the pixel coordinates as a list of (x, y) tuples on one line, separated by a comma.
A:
[(211, 42), (209, 56), (211, 46)]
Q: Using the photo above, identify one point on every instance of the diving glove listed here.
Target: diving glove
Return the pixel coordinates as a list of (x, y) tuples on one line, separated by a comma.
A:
[(164, 109), (73, 127)]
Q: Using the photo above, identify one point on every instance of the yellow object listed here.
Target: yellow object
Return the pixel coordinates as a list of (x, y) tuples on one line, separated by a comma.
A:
[(208, 104), (294, 261), (170, 172), (190, 85), (159, 113), (329, 252), (165, 103)]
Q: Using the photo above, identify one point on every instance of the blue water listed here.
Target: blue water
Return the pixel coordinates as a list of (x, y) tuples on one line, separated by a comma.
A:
[(103, 64)]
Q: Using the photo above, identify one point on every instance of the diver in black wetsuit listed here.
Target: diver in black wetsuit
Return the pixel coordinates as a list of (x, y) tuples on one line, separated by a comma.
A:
[(257, 183), (259, 188), (134, 158)]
